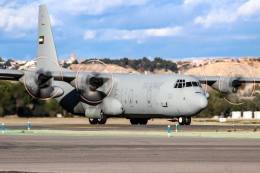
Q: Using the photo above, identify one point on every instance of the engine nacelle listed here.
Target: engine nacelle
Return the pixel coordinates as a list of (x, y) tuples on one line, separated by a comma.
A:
[(111, 106), (227, 85)]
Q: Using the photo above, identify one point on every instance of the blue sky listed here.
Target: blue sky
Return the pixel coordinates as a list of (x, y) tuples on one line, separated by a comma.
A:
[(135, 28)]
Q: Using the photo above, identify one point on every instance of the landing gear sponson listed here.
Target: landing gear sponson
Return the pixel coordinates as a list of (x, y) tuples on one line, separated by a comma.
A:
[(139, 121), (133, 121), (184, 120)]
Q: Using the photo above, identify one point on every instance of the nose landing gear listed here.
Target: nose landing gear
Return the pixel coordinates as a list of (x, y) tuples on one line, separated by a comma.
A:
[(101, 120), (93, 121), (184, 120)]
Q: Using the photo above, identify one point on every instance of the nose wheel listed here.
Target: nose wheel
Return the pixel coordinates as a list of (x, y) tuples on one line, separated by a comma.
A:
[(94, 121), (184, 120)]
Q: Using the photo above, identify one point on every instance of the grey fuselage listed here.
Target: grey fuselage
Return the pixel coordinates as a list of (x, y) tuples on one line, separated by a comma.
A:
[(143, 96)]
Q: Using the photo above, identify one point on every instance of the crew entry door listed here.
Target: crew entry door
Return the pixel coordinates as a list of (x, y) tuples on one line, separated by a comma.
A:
[(149, 96), (131, 97), (180, 95)]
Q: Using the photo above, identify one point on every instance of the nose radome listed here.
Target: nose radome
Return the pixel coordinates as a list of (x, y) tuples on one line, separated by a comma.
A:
[(203, 102)]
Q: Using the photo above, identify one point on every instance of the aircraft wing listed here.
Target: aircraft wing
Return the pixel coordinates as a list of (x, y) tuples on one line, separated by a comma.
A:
[(210, 80), (6, 74), (69, 76)]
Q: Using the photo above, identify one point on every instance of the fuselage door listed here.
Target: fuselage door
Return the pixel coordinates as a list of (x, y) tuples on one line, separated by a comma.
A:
[(131, 97), (149, 96)]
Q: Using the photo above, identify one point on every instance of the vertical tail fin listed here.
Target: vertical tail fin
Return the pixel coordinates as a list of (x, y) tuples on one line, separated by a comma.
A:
[(47, 56)]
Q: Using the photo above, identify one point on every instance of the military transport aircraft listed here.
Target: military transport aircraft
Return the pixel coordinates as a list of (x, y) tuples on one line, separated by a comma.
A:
[(138, 97)]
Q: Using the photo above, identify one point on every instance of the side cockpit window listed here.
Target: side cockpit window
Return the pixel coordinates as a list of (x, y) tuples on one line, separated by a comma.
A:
[(189, 84), (195, 84)]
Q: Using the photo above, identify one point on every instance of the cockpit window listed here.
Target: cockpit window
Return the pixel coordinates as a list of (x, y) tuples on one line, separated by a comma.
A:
[(182, 84), (188, 84)]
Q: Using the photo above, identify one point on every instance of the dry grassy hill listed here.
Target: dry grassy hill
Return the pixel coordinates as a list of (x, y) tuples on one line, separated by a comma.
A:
[(244, 68), (112, 68)]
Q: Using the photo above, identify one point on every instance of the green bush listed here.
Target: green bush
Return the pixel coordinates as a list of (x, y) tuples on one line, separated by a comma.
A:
[(218, 105), (14, 99)]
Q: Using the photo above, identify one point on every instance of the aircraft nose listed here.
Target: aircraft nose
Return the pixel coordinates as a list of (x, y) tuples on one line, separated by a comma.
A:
[(203, 102)]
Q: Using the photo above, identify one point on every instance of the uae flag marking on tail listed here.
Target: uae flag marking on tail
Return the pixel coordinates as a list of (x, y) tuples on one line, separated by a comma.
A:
[(41, 40)]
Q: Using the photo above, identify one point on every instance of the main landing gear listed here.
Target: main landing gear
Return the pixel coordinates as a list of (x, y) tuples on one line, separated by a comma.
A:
[(93, 121), (140, 121), (184, 120)]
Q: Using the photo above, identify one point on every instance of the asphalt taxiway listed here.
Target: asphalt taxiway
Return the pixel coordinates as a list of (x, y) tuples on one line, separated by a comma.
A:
[(128, 154), (122, 127), (123, 148)]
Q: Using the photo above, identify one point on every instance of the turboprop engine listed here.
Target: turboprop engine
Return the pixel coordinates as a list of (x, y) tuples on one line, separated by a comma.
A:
[(93, 87), (39, 84), (227, 85)]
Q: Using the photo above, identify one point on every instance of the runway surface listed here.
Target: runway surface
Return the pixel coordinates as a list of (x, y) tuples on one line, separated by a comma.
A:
[(119, 127), (111, 153)]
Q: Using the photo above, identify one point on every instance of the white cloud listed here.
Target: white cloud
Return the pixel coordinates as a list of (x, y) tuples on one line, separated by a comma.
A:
[(88, 35), (229, 13), (215, 17), (249, 8), (138, 35), (19, 18), (91, 7), (193, 2)]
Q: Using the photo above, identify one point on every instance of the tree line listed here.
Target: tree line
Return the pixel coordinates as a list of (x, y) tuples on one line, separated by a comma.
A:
[(14, 99), (143, 64)]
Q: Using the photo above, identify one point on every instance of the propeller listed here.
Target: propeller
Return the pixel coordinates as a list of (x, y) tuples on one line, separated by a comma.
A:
[(94, 87), (231, 82), (39, 84), (93, 81), (233, 88)]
